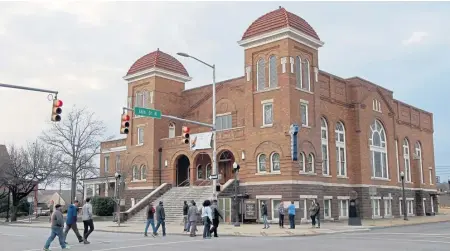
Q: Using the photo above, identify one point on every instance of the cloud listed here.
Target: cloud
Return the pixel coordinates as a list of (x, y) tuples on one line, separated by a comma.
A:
[(416, 38)]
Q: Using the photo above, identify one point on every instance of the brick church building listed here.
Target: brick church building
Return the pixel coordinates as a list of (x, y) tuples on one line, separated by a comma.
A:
[(353, 137)]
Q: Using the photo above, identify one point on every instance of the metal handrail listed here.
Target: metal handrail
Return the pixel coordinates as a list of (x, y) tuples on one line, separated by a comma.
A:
[(184, 183), (204, 182)]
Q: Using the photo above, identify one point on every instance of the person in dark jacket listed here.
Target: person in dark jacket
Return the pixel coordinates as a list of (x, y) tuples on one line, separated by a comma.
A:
[(215, 218), (71, 221), (161, 218), (264, 215), (185, 216), (150, 220), (57, 221)]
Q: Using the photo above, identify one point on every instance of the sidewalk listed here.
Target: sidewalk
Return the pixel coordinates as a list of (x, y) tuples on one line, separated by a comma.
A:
[(256, 229)]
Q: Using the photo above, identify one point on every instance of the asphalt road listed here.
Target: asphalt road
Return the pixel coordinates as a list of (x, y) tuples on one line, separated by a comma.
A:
[(429, 237)]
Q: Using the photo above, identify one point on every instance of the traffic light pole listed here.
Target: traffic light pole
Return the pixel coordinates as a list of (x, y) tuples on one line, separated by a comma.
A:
[(28, 88), (179, 119)]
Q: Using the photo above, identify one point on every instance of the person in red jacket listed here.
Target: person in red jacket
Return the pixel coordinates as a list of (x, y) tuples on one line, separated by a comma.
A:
[(150, 220)]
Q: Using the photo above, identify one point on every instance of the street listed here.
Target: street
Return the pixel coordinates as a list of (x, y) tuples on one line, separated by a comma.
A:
[(412, 238)]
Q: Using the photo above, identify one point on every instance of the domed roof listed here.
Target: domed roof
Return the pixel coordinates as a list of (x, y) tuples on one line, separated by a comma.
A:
[(278, 19), (158, 59)]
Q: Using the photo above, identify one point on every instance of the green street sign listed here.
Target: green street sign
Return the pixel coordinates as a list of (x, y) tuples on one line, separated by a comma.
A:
[(145, 112)]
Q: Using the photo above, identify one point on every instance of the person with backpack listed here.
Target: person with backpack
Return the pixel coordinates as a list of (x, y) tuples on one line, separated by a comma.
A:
[(215, 218), (150, 220)]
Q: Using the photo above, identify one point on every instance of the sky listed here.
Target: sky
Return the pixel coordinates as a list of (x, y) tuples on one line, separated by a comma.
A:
[(83, 50)]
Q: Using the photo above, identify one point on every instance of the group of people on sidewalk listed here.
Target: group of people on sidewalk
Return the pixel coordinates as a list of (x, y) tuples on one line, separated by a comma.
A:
[(314, 212), (210, 215), (57, 224)]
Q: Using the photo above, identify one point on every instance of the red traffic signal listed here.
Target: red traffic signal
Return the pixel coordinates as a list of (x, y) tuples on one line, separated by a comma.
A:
[(125, 124), (185, 134), (57, 110)]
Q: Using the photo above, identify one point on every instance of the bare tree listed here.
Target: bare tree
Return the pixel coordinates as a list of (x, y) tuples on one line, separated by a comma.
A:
[(85, 174), (77, 139), (26, 169)]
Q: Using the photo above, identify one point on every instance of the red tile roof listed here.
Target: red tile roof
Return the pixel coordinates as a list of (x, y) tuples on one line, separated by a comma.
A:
[(160, 60), (279, 19)]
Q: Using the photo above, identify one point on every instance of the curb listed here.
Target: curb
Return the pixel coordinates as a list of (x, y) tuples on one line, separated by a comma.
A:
[(406, 225)]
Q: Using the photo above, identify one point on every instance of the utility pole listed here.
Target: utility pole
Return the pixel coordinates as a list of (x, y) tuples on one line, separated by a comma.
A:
[(59, 198)]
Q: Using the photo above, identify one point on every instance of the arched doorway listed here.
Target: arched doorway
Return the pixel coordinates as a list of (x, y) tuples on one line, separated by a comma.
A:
[(203, 169), (182, 169), (225, 166)]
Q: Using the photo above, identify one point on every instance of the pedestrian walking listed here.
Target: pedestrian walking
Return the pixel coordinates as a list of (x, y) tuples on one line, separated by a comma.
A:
[(161, 218), (150, 220), (185, 216), (207, 219), (264, 215), (314, 213), (215, 218), (88, 220), (57, 225), (71, 221), (291, 212), (192, 217), (281, 215)]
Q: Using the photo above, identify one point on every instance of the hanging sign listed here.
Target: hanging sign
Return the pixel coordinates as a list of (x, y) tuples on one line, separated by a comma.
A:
[(293, 131), (200, 141)]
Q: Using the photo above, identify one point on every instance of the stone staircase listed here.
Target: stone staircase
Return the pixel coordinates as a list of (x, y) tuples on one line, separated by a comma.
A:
[(173, 203)]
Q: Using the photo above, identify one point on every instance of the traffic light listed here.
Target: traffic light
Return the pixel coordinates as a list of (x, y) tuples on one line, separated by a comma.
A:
[(185, 135), (57, 110), (125, 124)]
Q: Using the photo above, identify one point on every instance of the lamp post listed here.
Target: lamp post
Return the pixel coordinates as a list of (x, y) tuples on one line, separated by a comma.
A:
[(405, 214), (118, 176), (214, 162), (236, 168)]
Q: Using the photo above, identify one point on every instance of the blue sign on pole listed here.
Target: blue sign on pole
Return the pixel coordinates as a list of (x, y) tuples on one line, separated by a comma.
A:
[(293, 131)]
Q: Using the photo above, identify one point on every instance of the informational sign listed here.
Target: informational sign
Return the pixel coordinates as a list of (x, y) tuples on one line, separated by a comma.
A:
[(200, 141), (250, 209), (293, 131), (152, 113), (214, 177)]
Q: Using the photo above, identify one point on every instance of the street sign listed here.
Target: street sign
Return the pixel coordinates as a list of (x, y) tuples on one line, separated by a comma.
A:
[(139, 111), (214, 177)]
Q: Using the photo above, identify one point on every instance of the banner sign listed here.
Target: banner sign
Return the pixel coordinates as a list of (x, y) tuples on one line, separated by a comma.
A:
[(200, 141), (293, 131), (250, 209)]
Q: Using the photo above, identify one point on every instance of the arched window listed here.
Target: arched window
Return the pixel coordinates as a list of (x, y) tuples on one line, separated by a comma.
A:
[(135, 173), (139, 99), (310, 164), (208, 171), (301, 162), (306, 76), (418, 149), (298, 71), (171, 130), (275, 162), (341, 153), (200, 172), (143, 172), (262, 163), (407, 161), (261, 74), (273, 75), (378, 151), (325, 150)]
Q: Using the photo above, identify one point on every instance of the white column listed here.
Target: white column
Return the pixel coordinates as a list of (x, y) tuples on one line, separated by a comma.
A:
[(93, 190), (248, 71), (291, 60), (283, 64), (106, 188), (85, 191)]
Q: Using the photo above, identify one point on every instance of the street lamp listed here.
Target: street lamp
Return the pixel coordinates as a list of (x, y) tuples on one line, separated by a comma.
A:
[(118, 176), (405, 215), (236, 168), (214, 163)]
